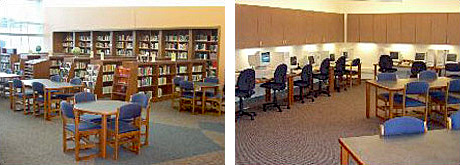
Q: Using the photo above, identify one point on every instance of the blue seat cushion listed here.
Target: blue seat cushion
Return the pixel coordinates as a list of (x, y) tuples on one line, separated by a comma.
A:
[(273, 85), (91, 118), (442, 97), (63, 96), (403, 125), (26, 93), (82, 126), (321, 76), (189, 95), (301, 83), (123, 127), (410, 102)]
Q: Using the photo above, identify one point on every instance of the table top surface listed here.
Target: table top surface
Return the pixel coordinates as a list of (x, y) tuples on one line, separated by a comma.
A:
[(50, 84), (400, 83), (206, 84), (433, 147), (6, 75), (104, 107)]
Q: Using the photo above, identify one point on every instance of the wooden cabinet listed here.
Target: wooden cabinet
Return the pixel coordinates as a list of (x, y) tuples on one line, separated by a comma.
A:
[(453, 28), (394, 28), (366, 28), (246, 26), (278, 20), (294, 33), (439, 28), (380, 28), (264, 30), (408, 28), (353, 28), (339, 24), (423, 28), (309, 27)]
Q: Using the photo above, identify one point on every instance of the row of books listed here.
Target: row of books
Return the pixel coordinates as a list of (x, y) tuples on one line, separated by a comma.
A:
[(85, 38), (197, 77), (145, 71), (107, 78), (143, 45), (106, 51), (109, 68), (84, 44), (80, 65), (149, 38), (124, 45), (81, 73), (176, 46), (123, 52), (125, 37), (102, 45), (209, 38), (163, 70), (103, 38), (54, 71), (68, 38), (174, 38), (145, 81), (148, 52), (67, 44), (197, 68), (106, 89), (182, 69)]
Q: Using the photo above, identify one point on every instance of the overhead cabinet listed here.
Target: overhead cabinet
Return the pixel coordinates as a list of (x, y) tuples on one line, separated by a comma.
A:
[(453, 26)]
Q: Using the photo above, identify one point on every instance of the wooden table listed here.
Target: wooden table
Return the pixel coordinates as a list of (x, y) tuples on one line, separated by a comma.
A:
[(203, 86), (49, 87), (4, 76), (433, 147), (394, 86), (104, 108), (437, 69)]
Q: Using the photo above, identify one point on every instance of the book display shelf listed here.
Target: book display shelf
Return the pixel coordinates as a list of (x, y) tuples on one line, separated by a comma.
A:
[(83, 40), (56, 63), (124, 83), (7, 58), (37, 69), (102, 43)]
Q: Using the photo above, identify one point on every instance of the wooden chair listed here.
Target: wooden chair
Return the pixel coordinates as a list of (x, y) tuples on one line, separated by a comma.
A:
[(20, 95), (143, 100), (121, 132), (176, 93), (404, 101), (384, 96), (354, 74), (188, 96), (79, 135), (446, 101), (38, 97), (214, 100)]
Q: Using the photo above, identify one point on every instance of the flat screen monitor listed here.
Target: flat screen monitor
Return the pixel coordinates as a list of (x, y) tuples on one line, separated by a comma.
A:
[(345, 54), (265, 57), (294, 60), (451, 58), (332, 57), (311, 60), (420, 56), (394, 55)]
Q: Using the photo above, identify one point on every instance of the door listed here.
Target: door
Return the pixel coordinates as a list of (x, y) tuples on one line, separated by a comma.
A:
[(380, 28), (394, 28), (353, 28), (408, 28)]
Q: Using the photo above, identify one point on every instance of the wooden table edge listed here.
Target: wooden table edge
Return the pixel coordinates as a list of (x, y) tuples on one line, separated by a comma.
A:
[(350, 152)]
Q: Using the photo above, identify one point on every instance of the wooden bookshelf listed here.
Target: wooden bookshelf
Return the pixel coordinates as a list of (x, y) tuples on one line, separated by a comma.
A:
[(102, 43), (124, 43), (79, 67), (7, 58), (63, 42), (104, 84), (37, 69), (124, 83), (206, 47), (176, 45), (148, 44), (56, 63), (84, 41)]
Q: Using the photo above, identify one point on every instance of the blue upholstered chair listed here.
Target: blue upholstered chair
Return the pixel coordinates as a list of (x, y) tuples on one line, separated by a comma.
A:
[(403, 102), (305, 82), (188, 96), (452, 70), (385, 96), (56, 78), (84, 130), (176, 90), (121, 132), (278, 84), (446, 101), (81, 97), (416, 68), (403, 126), (38, 97), (211, 80), (386, 64), (339, 73), (350, 72), (245, 85), (71, 93), (454, 121), (323, 77), (427, 75), (144, 101), (20, 95)]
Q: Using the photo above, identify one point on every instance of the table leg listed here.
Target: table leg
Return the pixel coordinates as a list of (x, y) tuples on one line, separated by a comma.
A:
[(268, 95), (104, 136), (11, 97), (368, 99), (359, 74), (343, 156), (203, 99), (291, 91), (48, 104), (375, 72), (391, 104), (331, 80)]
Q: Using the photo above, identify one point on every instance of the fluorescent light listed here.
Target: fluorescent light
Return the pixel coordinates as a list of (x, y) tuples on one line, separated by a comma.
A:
[(401, 47), (441, 47), (367, 47), (311, 48), (283, 49), (328, 47)]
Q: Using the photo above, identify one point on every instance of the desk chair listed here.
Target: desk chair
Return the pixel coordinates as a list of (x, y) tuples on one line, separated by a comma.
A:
[(176, 92), (386, 64), (278, 84), (144, 101), (56, 78), (403, 126), (323, 78), (350, 73), (245, 89), (416, 68), (20, 95), (78, 134), (427, 75), (306, 81), (67, 96), (452, 67), (454, 121), (188, 96), (385, 97), (82, 97), (339, 72), (404, 101), (446, 100), (38, 97)]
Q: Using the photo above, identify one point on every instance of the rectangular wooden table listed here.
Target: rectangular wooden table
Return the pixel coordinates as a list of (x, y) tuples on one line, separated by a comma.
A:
[(437, 69), (395, 86), (203, 87), (50, 86), (432, 147)]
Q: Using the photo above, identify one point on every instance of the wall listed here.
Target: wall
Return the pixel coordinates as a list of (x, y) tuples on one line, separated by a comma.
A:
[(315, 5), (97, 18)]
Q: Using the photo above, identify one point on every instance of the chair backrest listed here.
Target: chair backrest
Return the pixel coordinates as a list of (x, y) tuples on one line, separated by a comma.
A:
[(340, 65), (246, 80), (427, 75), (177, 80), (452, 67), (187, 85), (385, 62), (129, 111), (355, 62), (141, 99), (211, 80), (307, 73), (56, 78), (324, 68), (403, 125), (38, 88), (67, 110), (454, 85), (280, 74), (417, 87), (76, 81), (417, 67), (387, 77), (17, 83), (82, 97), (455, 121)]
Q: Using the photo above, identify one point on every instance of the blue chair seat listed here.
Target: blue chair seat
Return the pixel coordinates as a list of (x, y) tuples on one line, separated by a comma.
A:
[(442, 97), (82, 126), (27, 93), (91, 118), (386, 96), (63, 96), (410, 102), (301, 83), (189, 95), (273, 85), (123, 127), (321, 76), (245, 94)]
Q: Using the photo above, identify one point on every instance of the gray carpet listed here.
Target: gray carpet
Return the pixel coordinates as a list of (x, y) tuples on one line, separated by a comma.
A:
[(305, 134)]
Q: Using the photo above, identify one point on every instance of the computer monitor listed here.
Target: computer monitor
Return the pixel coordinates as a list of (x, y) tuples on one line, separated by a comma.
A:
[(394, 55), (332, 57), (294, 61), (311, 60), (420, 56), (345, 54), (451, 58), (265, 58)]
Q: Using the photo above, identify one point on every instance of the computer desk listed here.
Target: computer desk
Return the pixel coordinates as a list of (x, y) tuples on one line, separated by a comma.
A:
[(437, 69)]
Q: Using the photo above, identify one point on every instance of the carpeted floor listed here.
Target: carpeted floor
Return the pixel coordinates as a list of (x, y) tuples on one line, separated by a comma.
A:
[(175, 137), (305, 134)]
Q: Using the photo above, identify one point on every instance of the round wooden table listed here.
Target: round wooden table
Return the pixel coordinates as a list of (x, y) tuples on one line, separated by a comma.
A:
[(101, 107)]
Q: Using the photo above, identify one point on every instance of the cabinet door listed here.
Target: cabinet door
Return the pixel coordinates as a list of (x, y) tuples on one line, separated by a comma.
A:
[(246, 26), (276, 36), (439, 28), (339, 28), (353, 28), (423, 28), (453, 29), (408, 28), (380, 28), (308, 21), (264, 28), (293, 32), (366, 28), (394, 28)]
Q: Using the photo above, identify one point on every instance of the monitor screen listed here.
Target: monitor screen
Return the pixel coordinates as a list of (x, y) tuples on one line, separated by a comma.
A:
[(311, 59), (345, 54), (332, 57), (451, 57), (394, 55), (294, 60), (420, 56), (265, 57)]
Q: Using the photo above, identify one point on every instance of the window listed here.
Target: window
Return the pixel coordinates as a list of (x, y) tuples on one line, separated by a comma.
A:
[(21, 24)]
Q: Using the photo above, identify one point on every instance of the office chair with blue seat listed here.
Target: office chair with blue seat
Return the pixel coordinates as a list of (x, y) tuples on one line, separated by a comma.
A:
[(446, 100), (278, 84), (416, 68), (306, 81), (427, 75), (385, 96), (403, 126), (452, 68), (454, 121), (404, 101), (386, 64), (323, 77), (245, 89), (339, 72)]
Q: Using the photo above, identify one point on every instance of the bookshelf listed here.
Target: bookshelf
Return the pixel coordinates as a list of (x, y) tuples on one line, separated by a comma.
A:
[(176, 45), (37, 69), (206, 47), (84, 41), (148, 44), (80, 68), (104, 84), (7, 58), (124, 43), (124, 83), (56, 63), (63, 42), (102, 42)]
